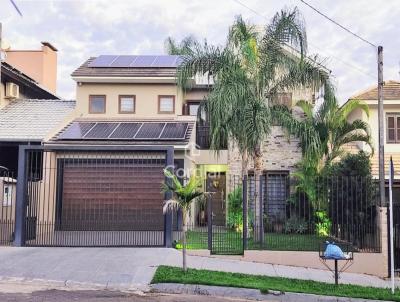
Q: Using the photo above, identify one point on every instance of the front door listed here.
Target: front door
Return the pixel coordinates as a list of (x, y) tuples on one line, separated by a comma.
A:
[(216, 185)]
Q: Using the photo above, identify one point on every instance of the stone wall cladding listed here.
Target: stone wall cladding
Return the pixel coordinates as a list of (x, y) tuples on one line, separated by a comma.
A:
[(280, 153)]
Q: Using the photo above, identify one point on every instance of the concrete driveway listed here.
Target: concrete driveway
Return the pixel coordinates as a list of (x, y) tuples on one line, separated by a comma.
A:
[(128, 268)]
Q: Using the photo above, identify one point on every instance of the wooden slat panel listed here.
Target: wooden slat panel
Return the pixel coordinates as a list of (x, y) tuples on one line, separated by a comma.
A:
[(112, 196)]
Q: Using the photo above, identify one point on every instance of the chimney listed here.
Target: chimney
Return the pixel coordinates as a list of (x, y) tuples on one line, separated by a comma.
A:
[(40, 65)]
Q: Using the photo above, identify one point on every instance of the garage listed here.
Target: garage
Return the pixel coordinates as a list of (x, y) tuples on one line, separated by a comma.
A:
[(111, 195)]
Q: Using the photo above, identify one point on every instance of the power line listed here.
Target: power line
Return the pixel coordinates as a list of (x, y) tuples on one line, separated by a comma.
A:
[(313, 45), (338, 24)]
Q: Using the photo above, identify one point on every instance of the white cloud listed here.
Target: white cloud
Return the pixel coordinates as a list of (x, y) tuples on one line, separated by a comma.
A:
[(80, 29)]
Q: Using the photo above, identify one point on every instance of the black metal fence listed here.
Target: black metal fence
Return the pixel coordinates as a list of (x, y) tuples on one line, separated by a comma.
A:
[(94, 198), (274, 213), (287, 215), (8, 189)]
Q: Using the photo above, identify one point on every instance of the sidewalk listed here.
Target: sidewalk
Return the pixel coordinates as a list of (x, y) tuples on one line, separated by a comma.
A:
[(133, 268)]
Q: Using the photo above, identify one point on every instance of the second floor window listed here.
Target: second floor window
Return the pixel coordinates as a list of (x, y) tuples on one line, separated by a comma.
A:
[(97, 103), (127, 104), (393, 128), (166, 104)]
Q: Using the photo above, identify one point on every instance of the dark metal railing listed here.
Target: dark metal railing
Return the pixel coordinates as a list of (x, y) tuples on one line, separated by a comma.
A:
[(8, 188)]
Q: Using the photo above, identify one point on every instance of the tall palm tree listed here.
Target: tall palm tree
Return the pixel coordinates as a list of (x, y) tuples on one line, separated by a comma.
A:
[(248, 72), (182, 198)]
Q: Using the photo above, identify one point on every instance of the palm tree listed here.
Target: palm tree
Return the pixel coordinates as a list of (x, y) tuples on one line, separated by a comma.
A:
[(328, 131), (248, 72), (182, 198), (184, 47)]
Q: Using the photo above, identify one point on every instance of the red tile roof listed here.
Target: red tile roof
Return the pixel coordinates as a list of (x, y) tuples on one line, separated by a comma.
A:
[(391, 91)]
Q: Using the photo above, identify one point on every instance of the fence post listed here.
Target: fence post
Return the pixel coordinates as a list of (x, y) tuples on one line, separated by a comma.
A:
[(244, 192), (168, 195), (261, 222), (20, 208), (209, 222)]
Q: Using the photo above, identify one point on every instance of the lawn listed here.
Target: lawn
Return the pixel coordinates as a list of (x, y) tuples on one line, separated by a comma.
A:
[(166, 274), (197, 240)]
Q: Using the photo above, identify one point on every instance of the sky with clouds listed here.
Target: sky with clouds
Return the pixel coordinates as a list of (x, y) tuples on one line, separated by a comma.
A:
[(80, 29)]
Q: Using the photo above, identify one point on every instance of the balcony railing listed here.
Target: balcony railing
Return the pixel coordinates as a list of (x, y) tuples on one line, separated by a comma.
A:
[(203, 137)]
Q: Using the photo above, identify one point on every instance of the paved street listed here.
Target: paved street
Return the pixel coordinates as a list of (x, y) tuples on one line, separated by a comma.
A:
[(103, 296)]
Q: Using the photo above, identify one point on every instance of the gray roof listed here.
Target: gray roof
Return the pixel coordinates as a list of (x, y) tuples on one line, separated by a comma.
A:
[(32, 119), (84, 71)]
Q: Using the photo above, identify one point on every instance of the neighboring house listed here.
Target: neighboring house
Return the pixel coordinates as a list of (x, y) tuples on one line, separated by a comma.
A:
[(29, 107), (40, 65), (391, 108)]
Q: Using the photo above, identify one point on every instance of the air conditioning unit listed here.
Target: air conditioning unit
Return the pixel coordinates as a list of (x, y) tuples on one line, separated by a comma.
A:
[(12, 90)]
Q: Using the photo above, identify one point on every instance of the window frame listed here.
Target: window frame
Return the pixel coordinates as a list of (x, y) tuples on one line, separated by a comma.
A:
[(91, 97), (190, 103), (126, 96), (395, 116), (173, 104)]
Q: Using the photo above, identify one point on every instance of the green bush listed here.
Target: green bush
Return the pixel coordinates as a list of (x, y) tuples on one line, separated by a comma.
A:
[(295, 225), (235, 209)]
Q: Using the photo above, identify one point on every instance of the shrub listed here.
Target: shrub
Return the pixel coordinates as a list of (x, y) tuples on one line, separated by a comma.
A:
[(235, 209), (295, 225)]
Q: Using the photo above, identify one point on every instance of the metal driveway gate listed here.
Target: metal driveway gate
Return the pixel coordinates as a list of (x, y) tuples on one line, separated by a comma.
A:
[(92, 197)]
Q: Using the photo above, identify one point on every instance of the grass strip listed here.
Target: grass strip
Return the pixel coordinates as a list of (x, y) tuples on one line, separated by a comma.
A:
[(168, 274)]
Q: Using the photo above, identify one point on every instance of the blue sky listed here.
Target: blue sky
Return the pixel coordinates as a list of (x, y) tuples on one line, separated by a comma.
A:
[(80, 29)]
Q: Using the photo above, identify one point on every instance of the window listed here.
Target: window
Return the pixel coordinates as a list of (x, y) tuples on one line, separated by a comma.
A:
[(97, 103), (276, 193), (7, 195), (127, 104), (393, 128), (193, 108), (166, 104)]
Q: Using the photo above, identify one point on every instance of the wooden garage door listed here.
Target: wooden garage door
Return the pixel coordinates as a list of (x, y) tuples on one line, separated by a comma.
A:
[(120, 195)]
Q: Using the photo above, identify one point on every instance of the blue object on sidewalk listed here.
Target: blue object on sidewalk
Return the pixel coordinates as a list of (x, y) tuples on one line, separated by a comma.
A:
[(333, 251)]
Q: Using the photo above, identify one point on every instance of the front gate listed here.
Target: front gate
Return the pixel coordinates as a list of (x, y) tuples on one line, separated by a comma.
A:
[(94, 197), (225, 235)]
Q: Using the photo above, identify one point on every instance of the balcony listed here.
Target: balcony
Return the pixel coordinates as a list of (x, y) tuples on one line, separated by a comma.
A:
[(203, 137)]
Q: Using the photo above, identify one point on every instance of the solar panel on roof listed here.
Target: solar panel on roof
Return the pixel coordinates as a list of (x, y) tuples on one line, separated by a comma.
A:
[(76, 130), (102, 61), (143, 61), (125, 131), (174, 131), (165, 61), (123, 61), (150, 131), (101, 130)]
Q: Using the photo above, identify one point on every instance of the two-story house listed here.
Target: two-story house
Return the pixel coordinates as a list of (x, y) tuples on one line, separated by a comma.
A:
[(105, 164)]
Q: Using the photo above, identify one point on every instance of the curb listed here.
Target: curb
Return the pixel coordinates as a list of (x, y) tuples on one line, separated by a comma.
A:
[(246, 293)]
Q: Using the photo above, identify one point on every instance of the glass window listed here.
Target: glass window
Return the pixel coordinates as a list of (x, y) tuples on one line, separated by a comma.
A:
[(166, 104), (97, 104), (126, 104), (193, 108), (393, 128)]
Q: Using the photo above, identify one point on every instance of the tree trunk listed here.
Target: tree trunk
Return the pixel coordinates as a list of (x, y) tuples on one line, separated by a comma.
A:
[(184, 265), (258, 167), (245, 162)]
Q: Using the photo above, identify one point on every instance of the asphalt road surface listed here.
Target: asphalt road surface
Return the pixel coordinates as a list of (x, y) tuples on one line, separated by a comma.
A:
[(102, 296)]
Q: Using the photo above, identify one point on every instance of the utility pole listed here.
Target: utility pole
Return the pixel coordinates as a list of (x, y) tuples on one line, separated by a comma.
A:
[(381, 128)]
